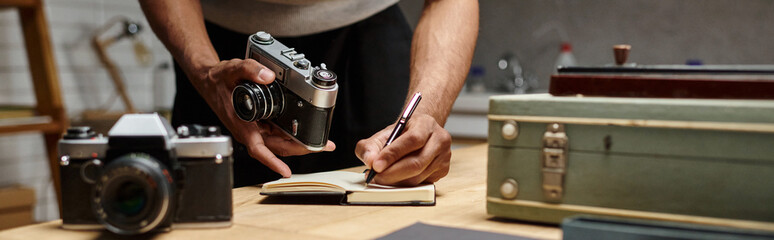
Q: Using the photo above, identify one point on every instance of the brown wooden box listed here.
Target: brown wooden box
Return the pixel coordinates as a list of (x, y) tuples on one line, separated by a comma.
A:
[(16, 204), (666, 81)]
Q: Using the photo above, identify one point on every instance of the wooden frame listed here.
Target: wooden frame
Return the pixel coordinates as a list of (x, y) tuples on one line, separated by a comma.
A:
[(51, 119)]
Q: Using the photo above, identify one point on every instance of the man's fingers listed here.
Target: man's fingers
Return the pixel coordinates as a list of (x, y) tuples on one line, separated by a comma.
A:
[(329, 147), (414, 137), (284, 146), (414, 164), (438, 174), (367, 149), (409, 166), (237, 69), (425, 165), (418, 164), (265, 156), (254, 71), (437, 169)]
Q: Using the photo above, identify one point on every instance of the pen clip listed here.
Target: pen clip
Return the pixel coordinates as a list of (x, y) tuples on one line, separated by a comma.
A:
[(411, 106)]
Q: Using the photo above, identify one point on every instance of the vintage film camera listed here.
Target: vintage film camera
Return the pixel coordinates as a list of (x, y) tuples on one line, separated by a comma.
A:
[(143, 176), (300, 101)]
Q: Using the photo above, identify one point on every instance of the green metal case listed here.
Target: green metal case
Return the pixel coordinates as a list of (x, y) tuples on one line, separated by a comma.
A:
[(704, 161)]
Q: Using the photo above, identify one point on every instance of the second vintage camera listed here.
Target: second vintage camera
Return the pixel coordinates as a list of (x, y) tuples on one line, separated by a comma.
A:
[(144, 177), (301, 99)]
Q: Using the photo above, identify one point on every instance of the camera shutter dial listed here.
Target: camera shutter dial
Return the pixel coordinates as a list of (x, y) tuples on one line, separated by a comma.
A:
[(263, 38), (301, 64), (324, 78), (196, 130), (79, 133), (183, 131)]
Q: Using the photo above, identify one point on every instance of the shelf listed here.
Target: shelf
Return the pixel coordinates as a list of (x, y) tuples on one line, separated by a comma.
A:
[(23, 119), (16, 111), (18, 3), (29, 124)]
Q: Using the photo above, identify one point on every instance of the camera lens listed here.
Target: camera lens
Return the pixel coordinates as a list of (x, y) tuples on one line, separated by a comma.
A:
[(256, 101), (133, 195), (130, 199)]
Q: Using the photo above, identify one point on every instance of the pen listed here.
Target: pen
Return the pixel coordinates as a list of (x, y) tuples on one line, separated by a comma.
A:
[(402, 121)]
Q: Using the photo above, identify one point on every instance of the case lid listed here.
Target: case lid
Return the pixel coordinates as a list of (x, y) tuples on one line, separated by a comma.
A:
[(666, 81), (694, 110), (707, 129)]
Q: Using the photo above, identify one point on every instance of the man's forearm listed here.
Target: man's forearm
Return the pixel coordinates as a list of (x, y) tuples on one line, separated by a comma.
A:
[(179, 24), (441, 51)]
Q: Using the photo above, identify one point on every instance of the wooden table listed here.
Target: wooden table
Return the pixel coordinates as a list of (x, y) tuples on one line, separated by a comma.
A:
[(460, 203)]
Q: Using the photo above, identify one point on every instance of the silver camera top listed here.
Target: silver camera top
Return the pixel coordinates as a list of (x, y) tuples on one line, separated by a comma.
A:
[(143, 125), (293, 70), (82, 145)]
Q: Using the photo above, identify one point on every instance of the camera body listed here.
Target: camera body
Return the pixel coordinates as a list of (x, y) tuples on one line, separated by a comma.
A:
[(144, 176), (301, 99)]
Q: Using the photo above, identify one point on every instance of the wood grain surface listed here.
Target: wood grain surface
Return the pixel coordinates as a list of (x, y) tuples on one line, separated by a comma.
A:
[(461, 203)]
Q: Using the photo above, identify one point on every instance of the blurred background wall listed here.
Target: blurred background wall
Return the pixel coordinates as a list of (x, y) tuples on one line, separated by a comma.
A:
[(661, 32)]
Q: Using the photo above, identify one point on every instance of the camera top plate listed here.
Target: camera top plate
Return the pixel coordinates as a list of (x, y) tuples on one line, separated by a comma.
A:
[(144, 128), (134, 125)]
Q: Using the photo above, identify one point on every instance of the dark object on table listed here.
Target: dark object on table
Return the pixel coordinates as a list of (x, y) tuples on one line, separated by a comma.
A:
[(604, 228), (429, 232)]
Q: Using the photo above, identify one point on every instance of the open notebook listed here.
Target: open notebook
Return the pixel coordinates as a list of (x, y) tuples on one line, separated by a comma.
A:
[(352, 187)]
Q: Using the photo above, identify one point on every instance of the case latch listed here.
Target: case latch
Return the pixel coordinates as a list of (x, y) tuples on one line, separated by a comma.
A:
[(554, 162)]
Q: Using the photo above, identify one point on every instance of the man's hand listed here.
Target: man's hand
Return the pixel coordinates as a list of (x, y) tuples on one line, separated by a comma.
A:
[(420, 155), (263, 140), (179, 24), (441, 51)]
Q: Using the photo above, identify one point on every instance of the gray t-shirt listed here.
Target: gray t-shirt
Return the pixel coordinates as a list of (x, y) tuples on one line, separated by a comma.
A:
[(289, 18)]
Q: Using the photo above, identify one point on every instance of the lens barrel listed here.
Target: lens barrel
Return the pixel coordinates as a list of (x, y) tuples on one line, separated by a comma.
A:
[(133, 195), (254, 101)]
